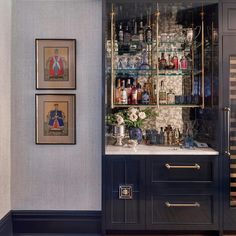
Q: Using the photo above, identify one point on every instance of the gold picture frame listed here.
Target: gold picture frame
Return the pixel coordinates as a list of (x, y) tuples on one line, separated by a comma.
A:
[(55, 63), (55, 119)]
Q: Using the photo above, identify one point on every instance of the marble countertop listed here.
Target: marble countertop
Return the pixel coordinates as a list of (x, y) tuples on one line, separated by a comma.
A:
[(157, 150)]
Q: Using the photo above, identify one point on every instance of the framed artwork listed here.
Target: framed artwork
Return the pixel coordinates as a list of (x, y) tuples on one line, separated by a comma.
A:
[(55, 119), (55, 63)]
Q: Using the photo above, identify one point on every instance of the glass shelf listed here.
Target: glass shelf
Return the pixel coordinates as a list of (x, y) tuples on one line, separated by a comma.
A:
[(155, 105)]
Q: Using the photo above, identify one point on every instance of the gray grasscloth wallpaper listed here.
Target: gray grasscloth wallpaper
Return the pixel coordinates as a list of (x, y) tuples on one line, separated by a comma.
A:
[(5, 98), (50, 177)]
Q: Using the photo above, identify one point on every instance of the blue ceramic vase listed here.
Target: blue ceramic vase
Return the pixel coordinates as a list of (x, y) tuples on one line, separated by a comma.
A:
[(136, 134)]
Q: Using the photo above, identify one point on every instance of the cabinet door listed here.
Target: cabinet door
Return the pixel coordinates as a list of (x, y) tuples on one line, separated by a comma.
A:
[(229, 17), (181, 193), (125, 214), (229, 140)]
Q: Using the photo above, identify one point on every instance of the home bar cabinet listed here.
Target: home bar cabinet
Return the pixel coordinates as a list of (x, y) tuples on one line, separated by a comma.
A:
[(169, 124)]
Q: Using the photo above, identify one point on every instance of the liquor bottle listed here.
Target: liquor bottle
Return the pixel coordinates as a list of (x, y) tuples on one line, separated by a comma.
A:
[(128, 91), (175, 61), (171, 97), (162, 140), (134, 94), (118, 92), (127, 36), (139, 93), (121, 34), (135, 36), (145, 96), (169, 63), (165, 137), (148, 34), (162, 62), (123, 95), (141, 32), (184, 62), (162, 94)]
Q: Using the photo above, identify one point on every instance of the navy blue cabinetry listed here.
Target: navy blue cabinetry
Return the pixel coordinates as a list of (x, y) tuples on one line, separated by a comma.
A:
[(168, 193), (125, 214), (182, 192)]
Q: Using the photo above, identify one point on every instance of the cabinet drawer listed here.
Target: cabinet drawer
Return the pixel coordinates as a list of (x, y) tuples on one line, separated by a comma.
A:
[(181, 170), (182, 209)]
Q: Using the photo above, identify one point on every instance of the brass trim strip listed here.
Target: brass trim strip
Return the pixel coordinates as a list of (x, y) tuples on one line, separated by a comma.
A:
[(232, 184), (112, 55), (203, 69), (233, 175), (233, 166), (195, 166), (195, 204)]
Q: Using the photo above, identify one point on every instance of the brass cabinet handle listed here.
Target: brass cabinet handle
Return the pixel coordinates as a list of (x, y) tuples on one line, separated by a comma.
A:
[(227, 126), (195, 204), (195, 166)]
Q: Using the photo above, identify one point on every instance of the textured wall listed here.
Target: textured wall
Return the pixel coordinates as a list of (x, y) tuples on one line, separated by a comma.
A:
[(5, 119), (57, 177)]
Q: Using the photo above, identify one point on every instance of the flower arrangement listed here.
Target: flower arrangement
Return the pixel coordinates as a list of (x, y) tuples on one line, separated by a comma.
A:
[(132, 117)]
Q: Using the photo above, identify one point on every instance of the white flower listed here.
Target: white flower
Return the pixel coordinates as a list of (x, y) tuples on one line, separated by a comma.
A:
[(142, 115), (133, 117), (119, 120), (133, 110)]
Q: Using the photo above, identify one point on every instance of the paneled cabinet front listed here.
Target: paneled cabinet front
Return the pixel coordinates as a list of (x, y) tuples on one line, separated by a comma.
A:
[(182, 192), (161, 193), (125, 193)]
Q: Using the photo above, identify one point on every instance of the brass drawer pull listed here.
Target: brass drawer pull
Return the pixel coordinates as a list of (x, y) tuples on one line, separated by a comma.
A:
[(195, 204), (195, 166)]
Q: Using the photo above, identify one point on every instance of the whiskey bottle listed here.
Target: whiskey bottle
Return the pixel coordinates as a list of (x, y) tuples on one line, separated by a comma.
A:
[(139, 93), (162, 94), (121, 34), (118, 92), (123, 95), (128, 91)]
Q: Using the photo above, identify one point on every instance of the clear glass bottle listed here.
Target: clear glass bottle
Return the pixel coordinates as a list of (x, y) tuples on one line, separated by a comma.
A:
[(123, 95), (134, 94), (171, 97), (145, 96), (162, 94)]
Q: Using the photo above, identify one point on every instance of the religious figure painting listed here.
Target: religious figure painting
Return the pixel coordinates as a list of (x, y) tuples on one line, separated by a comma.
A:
[(55, 118), (55, 64)]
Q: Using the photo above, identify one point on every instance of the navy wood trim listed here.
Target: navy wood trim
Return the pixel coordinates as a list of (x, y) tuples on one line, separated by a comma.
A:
[(6, 225), (56, 222)]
